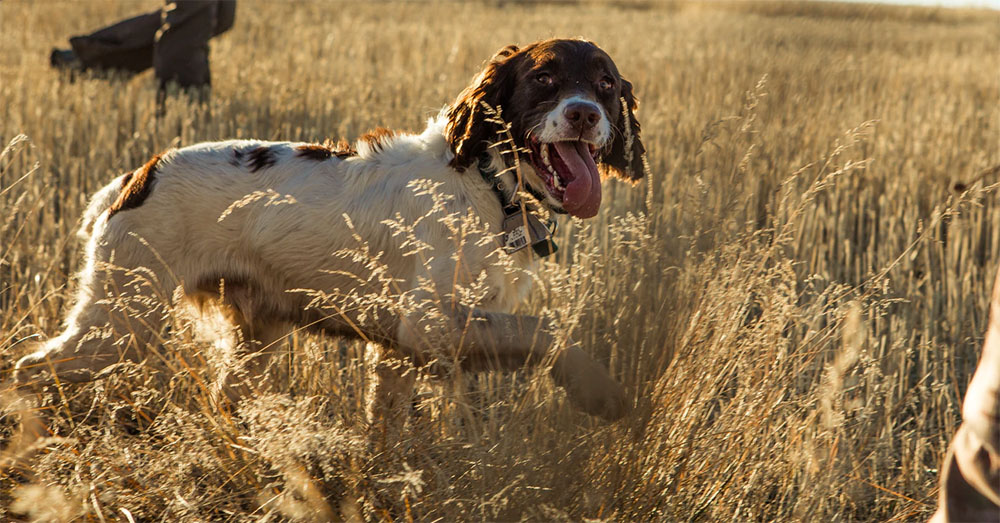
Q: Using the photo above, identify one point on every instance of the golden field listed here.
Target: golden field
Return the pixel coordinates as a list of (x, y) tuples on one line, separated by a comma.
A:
[(794, 298)]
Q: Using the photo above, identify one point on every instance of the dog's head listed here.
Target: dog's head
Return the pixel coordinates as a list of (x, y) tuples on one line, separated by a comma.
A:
[(572, 117)]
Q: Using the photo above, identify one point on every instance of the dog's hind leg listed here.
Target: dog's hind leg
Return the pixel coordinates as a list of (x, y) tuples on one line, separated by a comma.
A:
[(244, 335), (119, 310), (244, 356), (389, 396)]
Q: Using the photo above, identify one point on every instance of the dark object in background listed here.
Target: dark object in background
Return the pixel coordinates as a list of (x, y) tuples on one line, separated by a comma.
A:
[(173, 41)]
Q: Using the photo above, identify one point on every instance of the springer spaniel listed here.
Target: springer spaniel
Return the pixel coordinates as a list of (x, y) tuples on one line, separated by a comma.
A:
[(242, 227)]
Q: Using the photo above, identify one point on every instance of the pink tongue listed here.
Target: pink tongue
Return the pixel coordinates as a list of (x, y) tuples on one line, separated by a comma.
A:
[(583, 193)]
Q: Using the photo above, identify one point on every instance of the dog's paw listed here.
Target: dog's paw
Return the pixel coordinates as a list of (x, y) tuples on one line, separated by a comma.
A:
[(28, 367), (588, 385), (40, 367)]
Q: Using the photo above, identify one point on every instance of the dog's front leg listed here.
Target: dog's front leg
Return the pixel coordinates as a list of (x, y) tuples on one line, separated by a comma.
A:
[(500, 341), (519, 339), (389, 395)]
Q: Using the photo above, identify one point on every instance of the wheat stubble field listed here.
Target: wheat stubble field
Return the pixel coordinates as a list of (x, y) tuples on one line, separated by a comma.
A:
[(794, 299)]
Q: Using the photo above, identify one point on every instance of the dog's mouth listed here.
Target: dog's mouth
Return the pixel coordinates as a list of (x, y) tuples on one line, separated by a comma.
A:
[(569, 171)]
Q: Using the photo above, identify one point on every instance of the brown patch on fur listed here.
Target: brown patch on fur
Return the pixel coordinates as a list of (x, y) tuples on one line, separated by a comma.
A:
[(378, 138), (326, 150), (260, 158), (625, 156), (237, 159), (136, 187), (246, 303), (314, 152), (341, 148), (243, 300), (235, 292), (469, 130)]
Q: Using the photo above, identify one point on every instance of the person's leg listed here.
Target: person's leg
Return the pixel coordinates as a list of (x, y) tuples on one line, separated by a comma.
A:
[(225, 16), (126, 45), (970, 476), (180, 53)]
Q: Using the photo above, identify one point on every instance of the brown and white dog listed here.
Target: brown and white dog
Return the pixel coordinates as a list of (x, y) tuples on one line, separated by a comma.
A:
[(243, 226)]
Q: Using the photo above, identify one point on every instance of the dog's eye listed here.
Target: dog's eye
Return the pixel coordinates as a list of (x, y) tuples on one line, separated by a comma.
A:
[(544, 78), (606, 83)]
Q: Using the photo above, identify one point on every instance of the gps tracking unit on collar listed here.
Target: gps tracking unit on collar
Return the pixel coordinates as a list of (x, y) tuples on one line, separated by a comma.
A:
[(520, 228)]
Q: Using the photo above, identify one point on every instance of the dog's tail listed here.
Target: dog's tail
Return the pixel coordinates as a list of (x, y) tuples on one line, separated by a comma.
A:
[(99, 204)]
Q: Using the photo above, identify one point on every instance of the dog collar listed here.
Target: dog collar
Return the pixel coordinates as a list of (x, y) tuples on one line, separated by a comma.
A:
[(520, 225), (489, 174)]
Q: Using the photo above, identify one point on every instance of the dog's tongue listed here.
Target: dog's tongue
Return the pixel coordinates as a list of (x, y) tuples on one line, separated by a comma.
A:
[(583, 192)]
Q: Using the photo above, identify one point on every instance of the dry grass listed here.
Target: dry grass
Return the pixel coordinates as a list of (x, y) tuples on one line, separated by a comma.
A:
[(795, 298)]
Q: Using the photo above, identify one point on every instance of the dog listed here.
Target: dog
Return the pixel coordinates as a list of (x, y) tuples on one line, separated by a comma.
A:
[(243, 227)]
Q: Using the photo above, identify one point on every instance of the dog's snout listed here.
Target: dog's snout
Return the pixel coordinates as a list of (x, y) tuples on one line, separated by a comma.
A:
[(582, 115)]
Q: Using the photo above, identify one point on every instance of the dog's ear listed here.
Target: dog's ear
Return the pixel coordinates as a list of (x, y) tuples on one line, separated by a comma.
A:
[(625, 158), (468, 131)]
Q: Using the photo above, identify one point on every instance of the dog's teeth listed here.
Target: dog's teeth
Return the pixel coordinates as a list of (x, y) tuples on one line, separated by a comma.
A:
[(551, 176)]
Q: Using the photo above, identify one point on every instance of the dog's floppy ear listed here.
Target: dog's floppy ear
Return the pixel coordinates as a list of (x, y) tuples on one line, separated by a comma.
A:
[(626, 156), (468, 131)]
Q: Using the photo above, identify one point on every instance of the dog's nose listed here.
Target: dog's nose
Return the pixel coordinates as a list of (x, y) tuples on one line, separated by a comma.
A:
[(582, 115)]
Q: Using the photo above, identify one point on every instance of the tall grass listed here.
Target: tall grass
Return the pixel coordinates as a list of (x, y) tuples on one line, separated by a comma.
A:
[(794, 298)]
